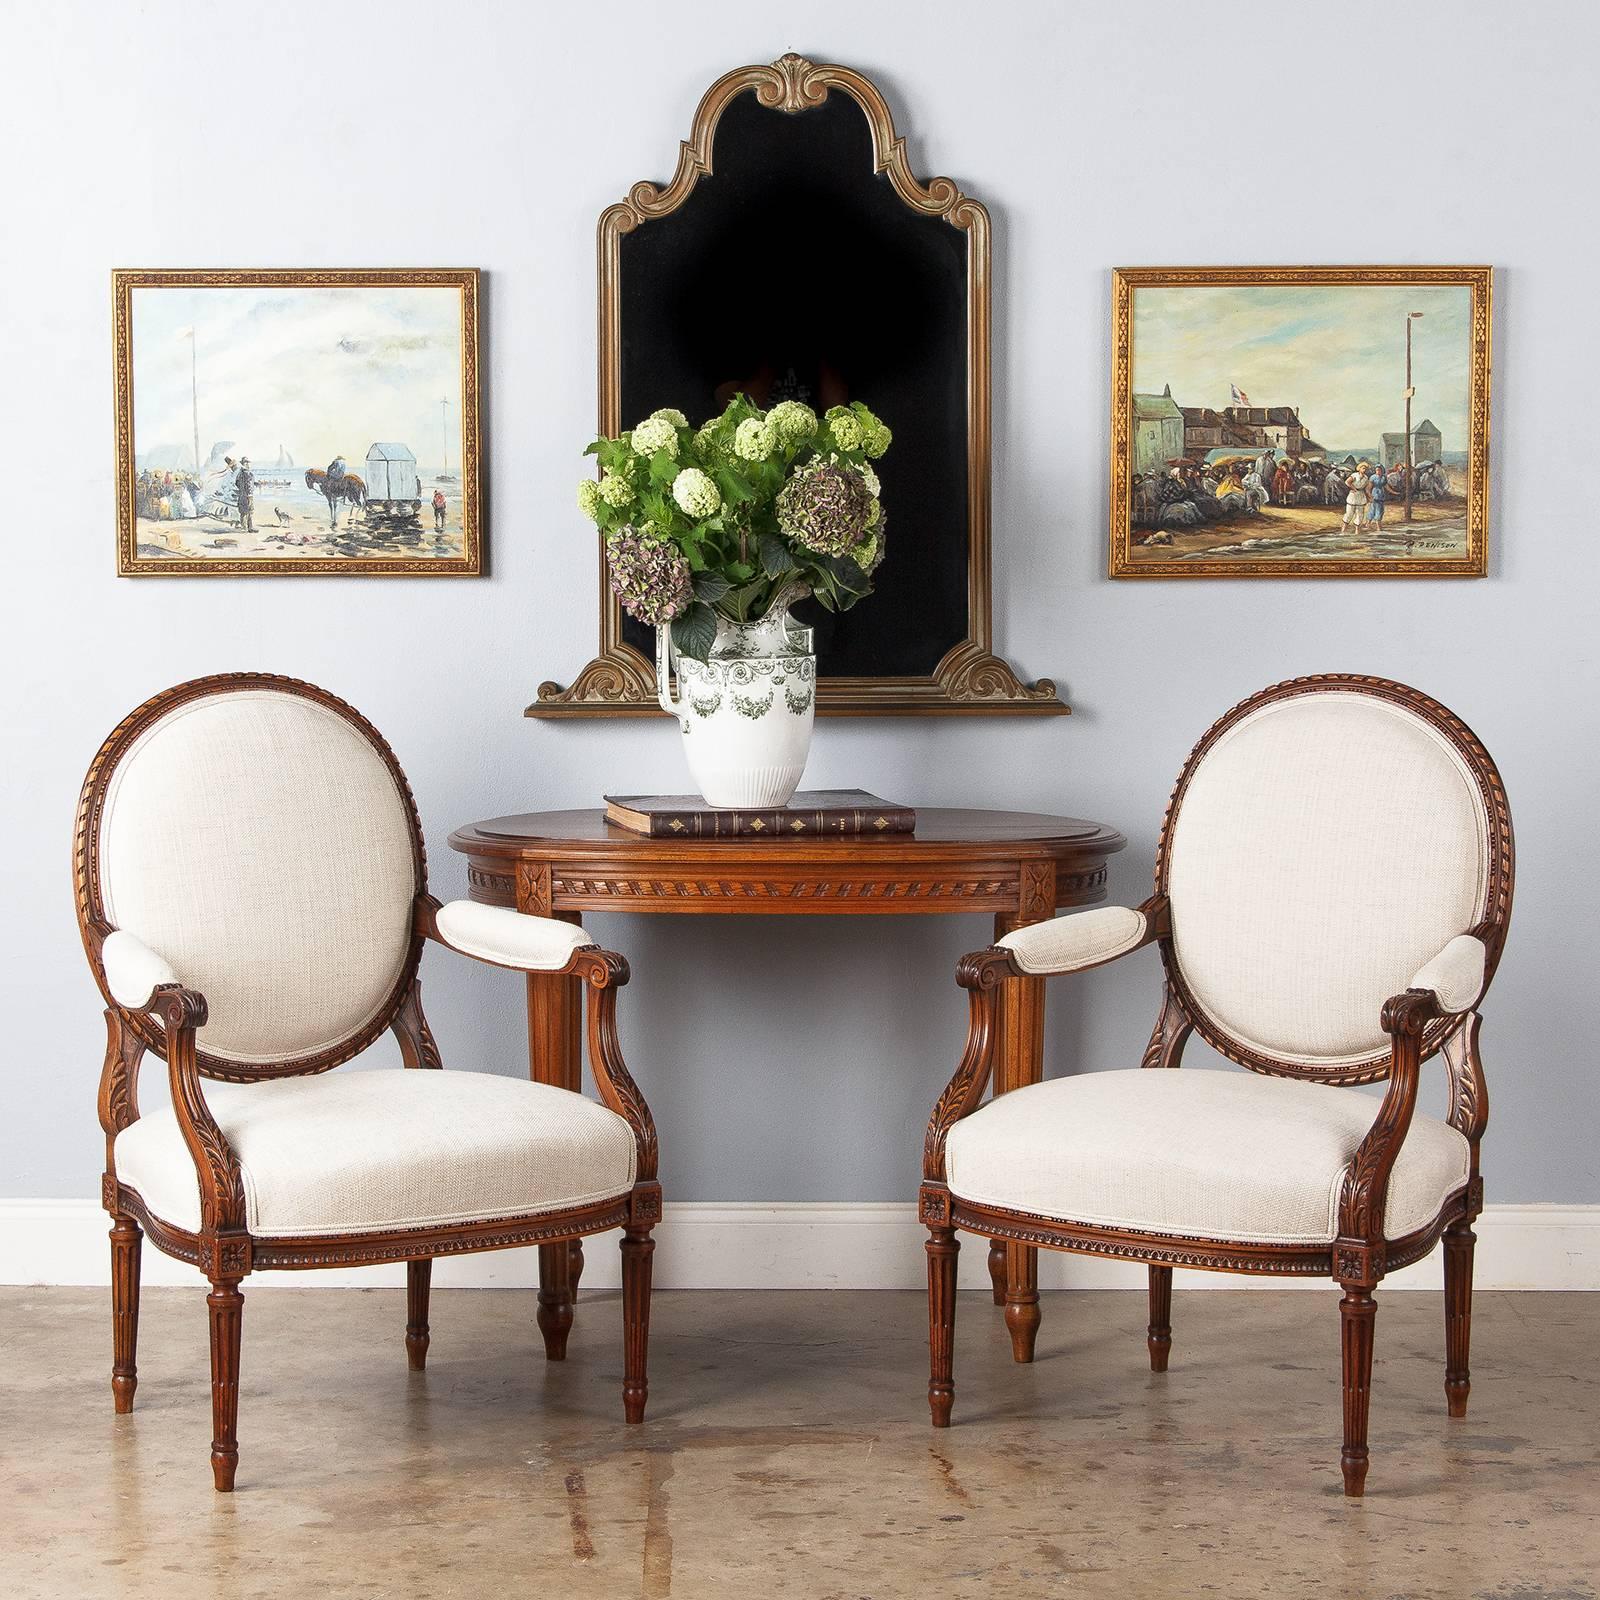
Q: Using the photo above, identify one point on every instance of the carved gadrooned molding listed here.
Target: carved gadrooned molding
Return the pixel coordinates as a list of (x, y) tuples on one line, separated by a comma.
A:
[(970, 680)]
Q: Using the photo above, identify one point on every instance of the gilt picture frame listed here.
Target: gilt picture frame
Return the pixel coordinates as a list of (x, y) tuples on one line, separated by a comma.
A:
[(1291, 422), (297, 422)]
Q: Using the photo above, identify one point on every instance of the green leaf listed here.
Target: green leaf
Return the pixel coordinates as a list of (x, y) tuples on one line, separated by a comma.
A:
[(695, 631), (663, 467), (594, 449), (848, 576), (741, 571), (709, 586), (775, 557)]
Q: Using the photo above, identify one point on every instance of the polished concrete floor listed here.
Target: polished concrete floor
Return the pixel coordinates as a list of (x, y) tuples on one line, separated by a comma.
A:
[(787, 1453)]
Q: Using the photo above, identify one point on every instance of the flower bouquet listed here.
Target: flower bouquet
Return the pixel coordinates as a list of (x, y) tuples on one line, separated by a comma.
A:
[(721, 521)]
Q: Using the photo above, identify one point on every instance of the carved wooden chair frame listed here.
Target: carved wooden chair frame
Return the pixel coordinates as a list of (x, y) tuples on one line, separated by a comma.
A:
[(1418, 1028), (224, 1250)]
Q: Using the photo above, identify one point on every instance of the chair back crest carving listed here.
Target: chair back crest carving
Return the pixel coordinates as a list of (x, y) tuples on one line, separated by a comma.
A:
[(259, 834), (1326, 838)]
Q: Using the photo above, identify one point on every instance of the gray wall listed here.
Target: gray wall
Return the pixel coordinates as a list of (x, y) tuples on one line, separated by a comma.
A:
[(798, 1059)]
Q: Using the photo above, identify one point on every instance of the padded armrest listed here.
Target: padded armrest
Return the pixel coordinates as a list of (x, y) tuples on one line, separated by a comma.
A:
[(509, 938), (1455, 975), (1084, 939), (133, 970)]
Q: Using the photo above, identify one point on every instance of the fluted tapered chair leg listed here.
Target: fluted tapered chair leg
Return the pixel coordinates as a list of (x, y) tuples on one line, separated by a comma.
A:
[(943, 1250), (227, 1329), (1357, 1313), (997, 1270), (419, 1280), (637, 1249), (1459, 1241), (126, 1241), (554, 1315), (1158, 1335)]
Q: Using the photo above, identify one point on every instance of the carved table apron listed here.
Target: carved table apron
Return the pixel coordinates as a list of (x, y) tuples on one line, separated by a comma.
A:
[(1020, 866)]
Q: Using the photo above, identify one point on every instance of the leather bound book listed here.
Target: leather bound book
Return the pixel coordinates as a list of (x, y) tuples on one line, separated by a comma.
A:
[(811, 813)]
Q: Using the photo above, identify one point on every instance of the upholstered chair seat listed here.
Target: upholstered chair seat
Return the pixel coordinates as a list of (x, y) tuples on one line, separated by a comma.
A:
[(1240, 1157), (1333, 886), (366, 1152)]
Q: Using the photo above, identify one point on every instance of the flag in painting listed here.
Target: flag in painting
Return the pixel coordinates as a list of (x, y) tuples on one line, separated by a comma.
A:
[(1240, 398)]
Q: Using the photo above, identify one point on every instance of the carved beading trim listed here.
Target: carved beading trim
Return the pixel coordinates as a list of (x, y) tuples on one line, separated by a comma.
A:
[(1500, 853), (418, 1243), (88, 890), (1072, 886), (806, 889), (497, 883), (1131, 1244)]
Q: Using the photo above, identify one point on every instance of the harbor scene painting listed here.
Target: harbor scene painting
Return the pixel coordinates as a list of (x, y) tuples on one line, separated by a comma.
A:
[(1300, 421), (297, 422)]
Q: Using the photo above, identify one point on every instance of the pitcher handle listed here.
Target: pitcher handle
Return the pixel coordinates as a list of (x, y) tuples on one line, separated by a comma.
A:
[(664, 660)]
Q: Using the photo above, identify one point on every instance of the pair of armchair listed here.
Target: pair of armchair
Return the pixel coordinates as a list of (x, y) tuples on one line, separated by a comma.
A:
[(1333, 887), (248, 850)]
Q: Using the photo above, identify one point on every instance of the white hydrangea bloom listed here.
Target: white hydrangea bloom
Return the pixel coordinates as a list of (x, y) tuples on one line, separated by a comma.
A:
[(696, 493), (615, 490), (655, 434), (755, 439)]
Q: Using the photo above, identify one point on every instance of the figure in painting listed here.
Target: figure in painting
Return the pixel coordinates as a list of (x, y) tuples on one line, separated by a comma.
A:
[(1375, 494), (244, 488), (1358, 485)]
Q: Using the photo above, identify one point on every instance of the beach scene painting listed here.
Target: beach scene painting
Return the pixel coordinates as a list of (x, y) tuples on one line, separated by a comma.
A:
[(1295, 421), (309, 422)]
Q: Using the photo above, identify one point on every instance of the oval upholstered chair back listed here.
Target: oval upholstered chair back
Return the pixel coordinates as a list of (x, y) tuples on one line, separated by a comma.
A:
[(1325, 840), (258, 834)]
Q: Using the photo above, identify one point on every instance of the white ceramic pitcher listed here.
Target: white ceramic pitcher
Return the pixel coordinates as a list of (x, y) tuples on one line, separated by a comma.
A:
[(746, 713)]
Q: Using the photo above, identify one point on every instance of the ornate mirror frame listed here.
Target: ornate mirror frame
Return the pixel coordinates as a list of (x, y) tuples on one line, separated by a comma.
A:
[(970, 679)]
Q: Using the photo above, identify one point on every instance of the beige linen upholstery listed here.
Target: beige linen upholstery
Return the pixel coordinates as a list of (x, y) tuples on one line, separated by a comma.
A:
[(1325, 848), (1456, 974), (360, 1152), (133, 970), (259, 845), (1066, 944), (510, 938), (1208, 1154)]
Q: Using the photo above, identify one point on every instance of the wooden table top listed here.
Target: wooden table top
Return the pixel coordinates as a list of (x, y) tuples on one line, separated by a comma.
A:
[(935, 826)]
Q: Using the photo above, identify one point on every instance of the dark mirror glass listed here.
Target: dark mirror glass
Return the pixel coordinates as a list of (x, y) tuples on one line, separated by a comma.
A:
[(794, 271)]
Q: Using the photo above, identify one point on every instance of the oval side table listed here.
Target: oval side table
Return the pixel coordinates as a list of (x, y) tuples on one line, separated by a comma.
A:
[(1020, 866)]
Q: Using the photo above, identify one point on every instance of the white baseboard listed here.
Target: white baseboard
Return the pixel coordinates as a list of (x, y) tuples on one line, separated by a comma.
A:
[(704, 1245)]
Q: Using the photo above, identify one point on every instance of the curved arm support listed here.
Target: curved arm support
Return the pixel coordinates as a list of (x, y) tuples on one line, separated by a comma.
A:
[(604, 972), (1364, 1194), (182, 1011), (981, 974), (119, 1079)]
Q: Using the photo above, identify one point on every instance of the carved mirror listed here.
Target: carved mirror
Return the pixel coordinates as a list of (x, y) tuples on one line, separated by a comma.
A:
[(795, 256)]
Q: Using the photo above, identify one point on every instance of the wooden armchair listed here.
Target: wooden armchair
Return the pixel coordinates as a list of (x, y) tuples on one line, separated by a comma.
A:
[(251, 890), (1333, 885)]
